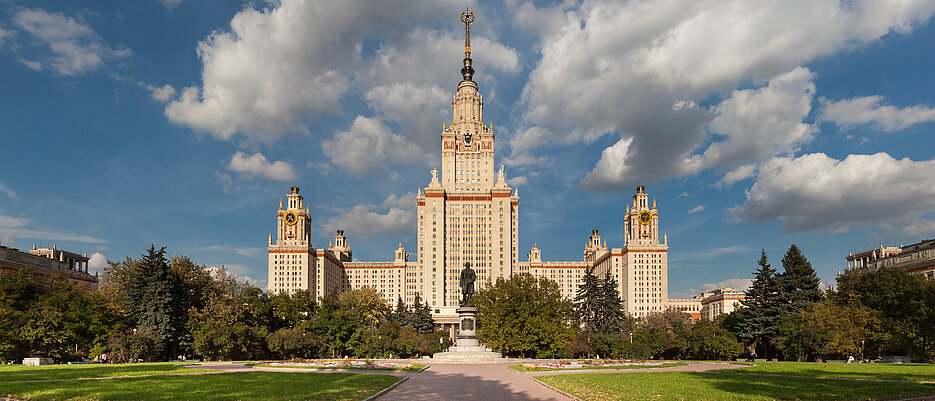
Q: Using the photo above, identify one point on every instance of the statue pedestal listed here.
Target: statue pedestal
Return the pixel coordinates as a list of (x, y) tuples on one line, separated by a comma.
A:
[(467, 349)]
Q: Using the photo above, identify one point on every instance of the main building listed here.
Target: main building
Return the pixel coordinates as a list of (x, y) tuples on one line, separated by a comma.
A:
[(468, 213)]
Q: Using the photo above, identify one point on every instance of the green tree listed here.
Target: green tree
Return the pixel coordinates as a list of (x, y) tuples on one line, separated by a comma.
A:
[(294, 343), (401, 313), (757, 322), (587, 303), (799, 286), (708, 340), (524, 316), (155, 304), (421, 317), (610, 307), (364, 305)]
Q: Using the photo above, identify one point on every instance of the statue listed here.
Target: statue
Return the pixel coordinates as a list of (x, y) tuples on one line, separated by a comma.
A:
[(467, 284)]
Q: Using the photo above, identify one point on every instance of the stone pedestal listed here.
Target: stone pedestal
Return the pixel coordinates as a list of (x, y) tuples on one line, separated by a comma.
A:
[(38, 361), (467, 349)]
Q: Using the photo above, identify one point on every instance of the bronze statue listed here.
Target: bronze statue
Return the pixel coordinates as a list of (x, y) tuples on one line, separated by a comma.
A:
[(467, 284)]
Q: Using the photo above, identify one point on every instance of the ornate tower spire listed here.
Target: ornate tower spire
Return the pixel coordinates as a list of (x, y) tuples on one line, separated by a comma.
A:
[(467, 17)]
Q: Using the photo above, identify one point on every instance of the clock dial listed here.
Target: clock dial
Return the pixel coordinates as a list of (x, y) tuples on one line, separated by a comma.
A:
[(291, 218), (646, 217)]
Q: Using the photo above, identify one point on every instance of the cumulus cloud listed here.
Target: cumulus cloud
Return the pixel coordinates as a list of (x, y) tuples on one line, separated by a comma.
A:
[(872, 110), (516, 181), (256, 164), (19, 227), (815, 192), (367, 145), (737, 174), (636, 69), (740, 284), (395, 215), (759, 123), (98, 263), (696, 209), (278, 68), (919, 229), (73, 48)]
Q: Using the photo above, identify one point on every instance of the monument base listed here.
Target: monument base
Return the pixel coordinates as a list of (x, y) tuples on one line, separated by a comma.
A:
[(467, 349)]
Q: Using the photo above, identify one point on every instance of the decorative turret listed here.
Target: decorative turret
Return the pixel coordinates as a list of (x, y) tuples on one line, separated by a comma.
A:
[(467, 17)]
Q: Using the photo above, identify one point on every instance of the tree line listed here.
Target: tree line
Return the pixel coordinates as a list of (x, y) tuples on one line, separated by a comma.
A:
[(160, 308)]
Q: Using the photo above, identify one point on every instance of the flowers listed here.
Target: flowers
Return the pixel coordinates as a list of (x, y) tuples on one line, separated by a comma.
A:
[(583, 363), (341, 364)]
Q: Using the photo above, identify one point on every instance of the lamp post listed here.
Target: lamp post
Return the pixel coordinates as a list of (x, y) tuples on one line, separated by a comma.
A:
[(862, 350), (631, 338)]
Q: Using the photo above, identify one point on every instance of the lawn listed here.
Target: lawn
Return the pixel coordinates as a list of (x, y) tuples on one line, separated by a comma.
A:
[(888, 371), (221, 386), (10, 373), (520, 368), (715, 386)]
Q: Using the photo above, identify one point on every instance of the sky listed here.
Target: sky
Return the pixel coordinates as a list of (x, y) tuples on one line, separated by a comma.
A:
[(754, 124)]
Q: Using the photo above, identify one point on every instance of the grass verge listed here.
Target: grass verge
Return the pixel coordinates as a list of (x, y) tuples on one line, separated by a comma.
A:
[(880, 371), (221, 386), (9, 373), (713, 386), (521, 368)]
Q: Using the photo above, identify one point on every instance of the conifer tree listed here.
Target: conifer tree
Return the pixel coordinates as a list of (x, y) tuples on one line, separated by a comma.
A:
[(798, 284), (587, 304), (420, 318), (610, 315), (401, 313), (155, 302), (759, 317)]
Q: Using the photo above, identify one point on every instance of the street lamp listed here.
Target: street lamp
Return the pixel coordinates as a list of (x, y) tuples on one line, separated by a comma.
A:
[(631, 338), (862, 350)]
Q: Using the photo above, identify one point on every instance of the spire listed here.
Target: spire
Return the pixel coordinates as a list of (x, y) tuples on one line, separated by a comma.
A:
[(467, 17)]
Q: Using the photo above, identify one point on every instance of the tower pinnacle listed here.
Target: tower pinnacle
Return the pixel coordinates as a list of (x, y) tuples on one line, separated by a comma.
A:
[(467, 17)]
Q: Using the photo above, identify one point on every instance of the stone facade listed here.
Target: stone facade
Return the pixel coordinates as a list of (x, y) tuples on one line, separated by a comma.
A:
[(918, 258), (50, 262)]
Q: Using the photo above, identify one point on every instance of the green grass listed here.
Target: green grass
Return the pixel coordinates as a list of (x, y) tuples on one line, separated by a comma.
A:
[(888, 371), (520, 368), (221, 386), (714, 386), (414, 368), (10, 373)]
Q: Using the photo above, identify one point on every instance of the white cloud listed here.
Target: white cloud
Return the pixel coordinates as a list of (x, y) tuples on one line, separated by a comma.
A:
[(364, 148), (73, 48), (226, 181), (737, 174), (10, 221), (815, 192), (636, 69), (759, 123), (171, 4), (7, 191), (696, 209), (98, 263), (871, 110), (241, 273), (162, 93), (242, 251), (710, 253), (276, 69), (395, 215), (8, 239), (740, 284), (256, 164), (516, 181)]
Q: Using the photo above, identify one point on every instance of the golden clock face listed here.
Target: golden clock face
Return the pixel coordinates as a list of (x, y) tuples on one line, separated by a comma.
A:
[(646, 217), (291, 218)]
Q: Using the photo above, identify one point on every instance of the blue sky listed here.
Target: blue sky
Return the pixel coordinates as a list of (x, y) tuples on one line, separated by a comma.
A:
[(755, 124)]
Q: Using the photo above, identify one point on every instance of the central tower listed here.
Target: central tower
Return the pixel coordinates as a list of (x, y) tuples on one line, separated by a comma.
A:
[(468, 214)]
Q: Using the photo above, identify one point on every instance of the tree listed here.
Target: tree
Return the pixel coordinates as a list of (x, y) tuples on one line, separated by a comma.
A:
[(610, 307), (155, 304), (708, 340), (365, 305), (294, 343), (587, 303), (756, 323), (524, 316), (421, 316), (799, 286), (401, 313)]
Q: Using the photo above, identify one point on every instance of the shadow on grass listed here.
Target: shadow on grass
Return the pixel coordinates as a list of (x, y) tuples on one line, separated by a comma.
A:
[(224, 386), (791, 388), (914, 372)]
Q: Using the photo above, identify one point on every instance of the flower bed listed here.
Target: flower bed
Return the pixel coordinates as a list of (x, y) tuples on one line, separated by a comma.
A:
[(597, 364), (342, 364)]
